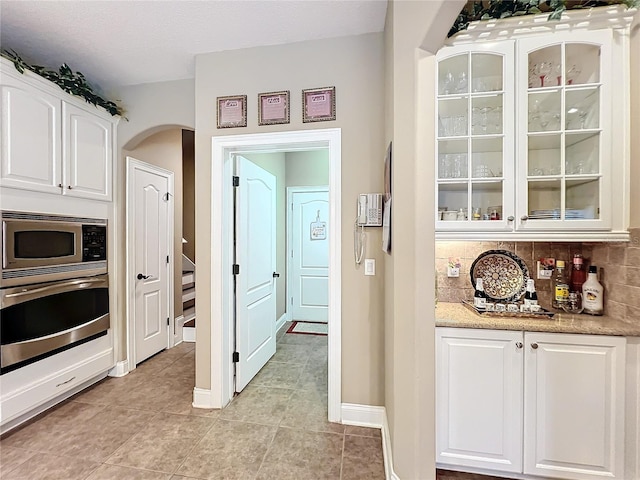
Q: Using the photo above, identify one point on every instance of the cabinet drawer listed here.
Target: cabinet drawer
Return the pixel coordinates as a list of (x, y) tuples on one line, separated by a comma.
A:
[(20, 401)]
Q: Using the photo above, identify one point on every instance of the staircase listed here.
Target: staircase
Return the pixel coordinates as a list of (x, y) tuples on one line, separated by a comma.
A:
[(188, 299)]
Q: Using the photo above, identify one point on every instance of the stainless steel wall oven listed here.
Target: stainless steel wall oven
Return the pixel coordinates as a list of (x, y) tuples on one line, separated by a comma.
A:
[(54, 290)]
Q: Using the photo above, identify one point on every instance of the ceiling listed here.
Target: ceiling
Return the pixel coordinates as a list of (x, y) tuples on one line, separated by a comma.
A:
[(128, 42)]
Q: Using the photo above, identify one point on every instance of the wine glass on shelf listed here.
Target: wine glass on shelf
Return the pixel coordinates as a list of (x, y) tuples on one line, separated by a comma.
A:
[(572, 74), (449, 82), (557, 69), (543, 69)]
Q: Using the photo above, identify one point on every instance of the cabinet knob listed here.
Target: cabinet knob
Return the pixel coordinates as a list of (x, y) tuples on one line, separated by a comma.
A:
[(534, 346), (60, 185), (69, 187), (518, 345), (510, 218), (524, 218)]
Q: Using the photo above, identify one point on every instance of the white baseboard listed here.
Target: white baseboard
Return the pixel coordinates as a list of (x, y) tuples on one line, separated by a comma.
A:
[(281, 321), (387, 453), (120, 369), (189, 334), (373, 417), (179, 324), (363, 415), (202, 398)]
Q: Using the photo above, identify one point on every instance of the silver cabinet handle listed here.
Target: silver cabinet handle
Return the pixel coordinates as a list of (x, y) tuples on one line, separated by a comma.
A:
[(534, 346), (510, 218), (78, 283), (64, 383), (518, 345), (524, 218)]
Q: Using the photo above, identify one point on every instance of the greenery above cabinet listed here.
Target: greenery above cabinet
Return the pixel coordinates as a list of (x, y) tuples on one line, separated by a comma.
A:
[(526, 147)]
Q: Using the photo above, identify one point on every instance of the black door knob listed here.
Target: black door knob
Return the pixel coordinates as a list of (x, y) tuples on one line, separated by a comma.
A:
[(276, 275), (143, 277)]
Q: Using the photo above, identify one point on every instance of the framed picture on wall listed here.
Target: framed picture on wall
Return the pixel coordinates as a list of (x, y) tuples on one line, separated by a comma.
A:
[(232, 111), (273, 108), (319, 104)]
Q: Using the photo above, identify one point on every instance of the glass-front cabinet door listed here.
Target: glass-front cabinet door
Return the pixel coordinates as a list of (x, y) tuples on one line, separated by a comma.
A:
[(475, 131), (563, 122)]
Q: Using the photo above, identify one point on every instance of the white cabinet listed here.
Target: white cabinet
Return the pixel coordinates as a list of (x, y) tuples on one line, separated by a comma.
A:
[(479, 399), (30, 133), (527, 147), (51, 141), (542, 404), (574, 406), (87, 153)]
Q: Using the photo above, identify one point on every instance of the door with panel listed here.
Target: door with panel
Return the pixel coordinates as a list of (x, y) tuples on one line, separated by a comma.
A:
[(150, 191), (308, 275), (255, 299)]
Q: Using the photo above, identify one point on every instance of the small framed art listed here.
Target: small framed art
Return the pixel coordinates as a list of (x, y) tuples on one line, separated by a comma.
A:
[(273, 108), (232, 111), (319, 104)]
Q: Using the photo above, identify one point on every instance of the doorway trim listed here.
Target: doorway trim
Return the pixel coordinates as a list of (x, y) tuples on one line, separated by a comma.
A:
[(223, 148), (289, 232), (134, 164)]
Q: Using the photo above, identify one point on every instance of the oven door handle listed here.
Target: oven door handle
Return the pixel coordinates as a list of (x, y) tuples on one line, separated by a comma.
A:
[(58, 287)]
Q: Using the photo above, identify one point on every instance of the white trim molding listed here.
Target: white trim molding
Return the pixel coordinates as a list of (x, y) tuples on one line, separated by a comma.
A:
[(120, 369), (203, 398), (372, 417), (223, 149), (178, 325), (280, 322)]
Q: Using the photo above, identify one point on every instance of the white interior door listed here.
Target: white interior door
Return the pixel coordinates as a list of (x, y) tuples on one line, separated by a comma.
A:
[(149, 195), (256, 257), (309, 254)]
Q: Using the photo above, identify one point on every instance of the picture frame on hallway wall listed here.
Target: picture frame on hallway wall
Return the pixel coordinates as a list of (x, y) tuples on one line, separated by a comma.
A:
[(318, 104), (231, 111), (273, 108)]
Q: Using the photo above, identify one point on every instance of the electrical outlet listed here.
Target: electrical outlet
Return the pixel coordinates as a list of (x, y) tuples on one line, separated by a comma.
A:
[(453, 267), (545, 267)]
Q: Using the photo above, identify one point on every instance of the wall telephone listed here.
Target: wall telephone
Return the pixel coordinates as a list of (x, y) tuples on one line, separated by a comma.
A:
[(370, 210), (369, 215)]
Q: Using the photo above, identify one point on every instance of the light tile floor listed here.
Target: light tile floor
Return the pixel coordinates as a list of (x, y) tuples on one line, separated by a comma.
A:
[(143, 427)]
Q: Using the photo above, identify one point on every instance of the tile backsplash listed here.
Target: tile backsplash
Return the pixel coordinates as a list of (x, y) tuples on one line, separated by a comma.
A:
[(618, 269)]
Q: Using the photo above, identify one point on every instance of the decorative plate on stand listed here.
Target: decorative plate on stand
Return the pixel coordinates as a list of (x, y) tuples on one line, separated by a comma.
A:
[(504, 275)]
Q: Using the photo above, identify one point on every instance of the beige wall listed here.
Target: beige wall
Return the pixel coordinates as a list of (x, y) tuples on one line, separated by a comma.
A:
[(274, 163), (308, 169), (354, 65), (417, 29), (635, 122), (164, 149), (188, 194)]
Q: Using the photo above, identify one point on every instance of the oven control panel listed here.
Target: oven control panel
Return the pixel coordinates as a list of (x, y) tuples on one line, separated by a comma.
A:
[(94, 243)]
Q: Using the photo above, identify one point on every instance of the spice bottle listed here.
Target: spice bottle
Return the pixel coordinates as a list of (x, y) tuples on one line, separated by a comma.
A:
[(560, 286), (593, 293)]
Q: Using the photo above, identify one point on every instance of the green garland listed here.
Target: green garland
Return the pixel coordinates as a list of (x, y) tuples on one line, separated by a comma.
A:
[(71, 82), (488, 9)]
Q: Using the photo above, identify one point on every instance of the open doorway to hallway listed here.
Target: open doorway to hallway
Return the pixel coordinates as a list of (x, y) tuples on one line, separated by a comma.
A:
[(300, 272)]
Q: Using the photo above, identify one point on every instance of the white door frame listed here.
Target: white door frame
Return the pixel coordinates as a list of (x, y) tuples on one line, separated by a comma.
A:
[(133, 164), (222, 250), (290, 192)]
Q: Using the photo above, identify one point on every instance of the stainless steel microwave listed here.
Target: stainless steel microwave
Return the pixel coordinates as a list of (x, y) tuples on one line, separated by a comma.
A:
[(42, 248)]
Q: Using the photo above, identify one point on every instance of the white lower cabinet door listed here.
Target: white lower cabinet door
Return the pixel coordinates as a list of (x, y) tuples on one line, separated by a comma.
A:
[(574, 406), (479, 389)]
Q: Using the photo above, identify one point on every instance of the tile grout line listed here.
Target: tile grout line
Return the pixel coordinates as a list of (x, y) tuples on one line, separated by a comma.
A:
[(344, 438), (175, 471)]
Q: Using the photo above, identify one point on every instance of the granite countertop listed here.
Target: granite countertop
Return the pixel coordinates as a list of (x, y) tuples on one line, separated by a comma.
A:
[(457, 315)]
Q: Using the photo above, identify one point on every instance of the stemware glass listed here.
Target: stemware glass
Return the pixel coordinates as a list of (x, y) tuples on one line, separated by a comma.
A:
[(572, 74), (558, 71), (461, 86), (544, 69)]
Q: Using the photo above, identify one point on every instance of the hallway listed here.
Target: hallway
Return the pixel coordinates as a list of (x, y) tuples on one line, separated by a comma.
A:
[(142, 426)]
